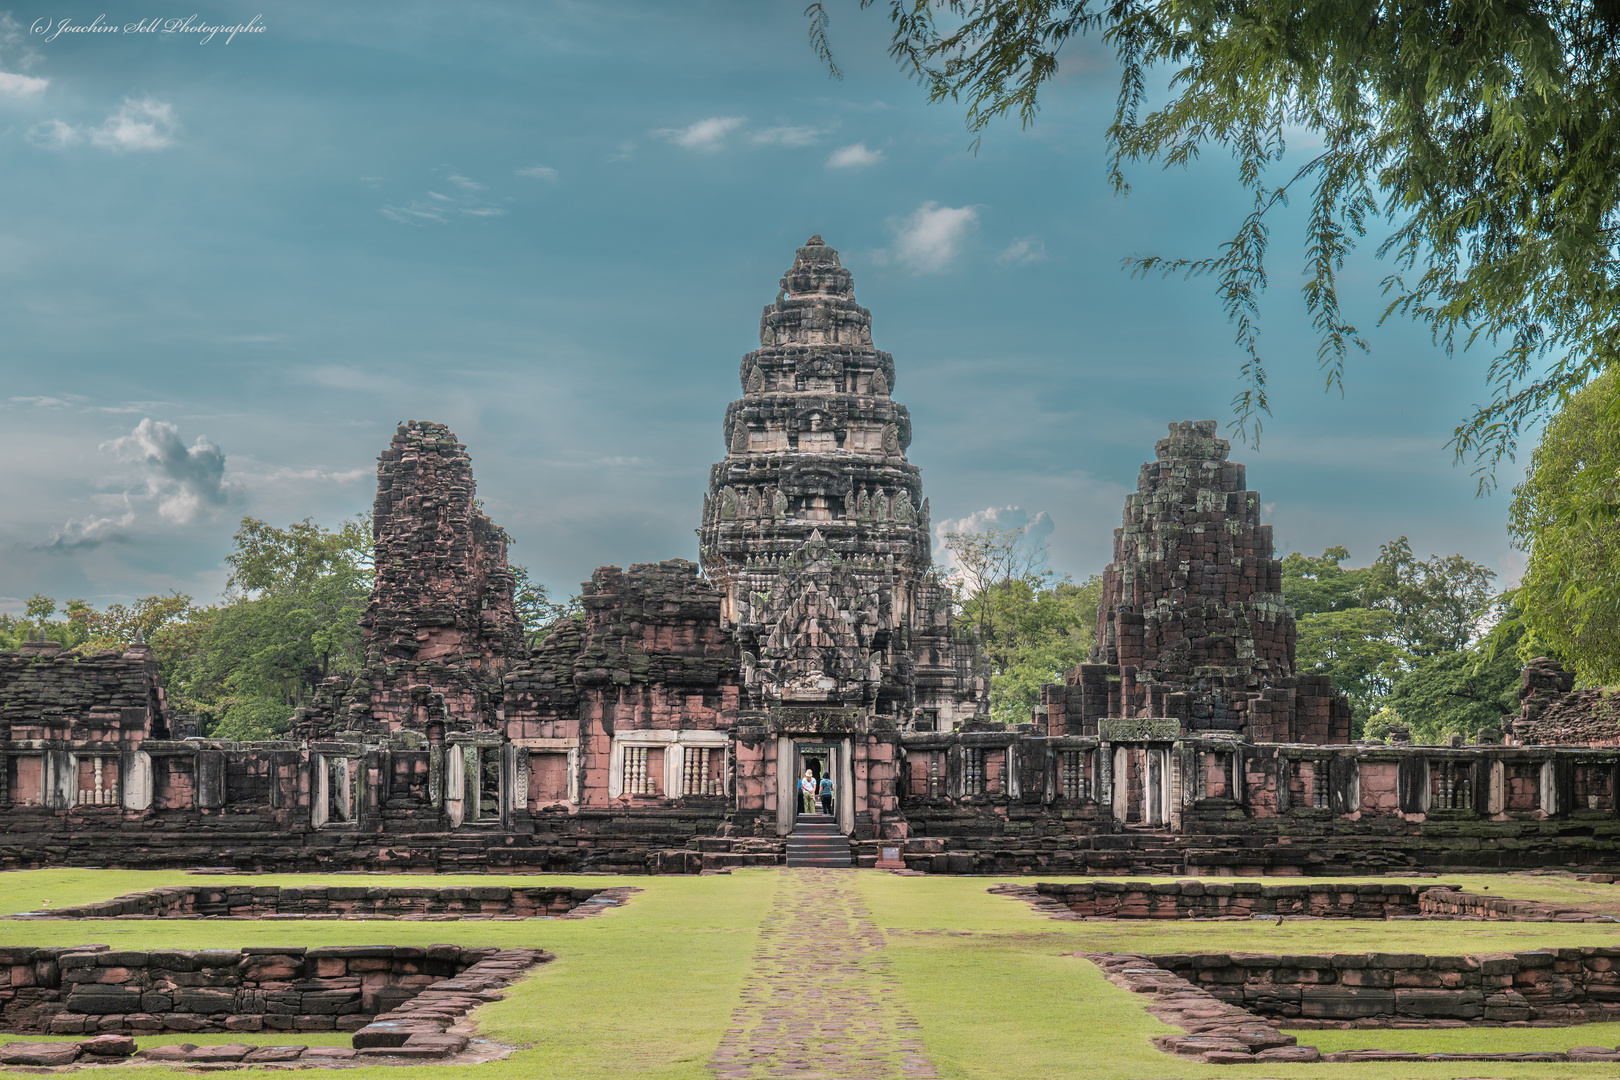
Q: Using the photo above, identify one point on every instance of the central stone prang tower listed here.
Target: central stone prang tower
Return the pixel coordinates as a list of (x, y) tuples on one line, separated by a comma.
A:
[(815, 527)]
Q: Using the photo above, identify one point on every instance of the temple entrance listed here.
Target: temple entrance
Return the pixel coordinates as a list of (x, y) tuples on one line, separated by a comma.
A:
[(820, 760)]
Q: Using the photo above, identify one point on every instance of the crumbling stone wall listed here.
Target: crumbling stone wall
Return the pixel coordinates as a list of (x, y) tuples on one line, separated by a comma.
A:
[(1553, 713), (46, 692), (1238, 900), (89, 989), (1544, 987), (315, 901)]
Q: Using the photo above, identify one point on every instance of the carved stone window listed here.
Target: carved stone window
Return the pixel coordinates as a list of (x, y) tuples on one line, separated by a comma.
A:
[(972, 771), (1075, 785), (637, 779)]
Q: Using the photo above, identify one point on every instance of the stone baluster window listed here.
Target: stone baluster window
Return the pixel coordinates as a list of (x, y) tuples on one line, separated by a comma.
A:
[(1319, 785), (1450, 786), (1076, 783), (98, 781), (637, 780), (972, 771), (697, 776)]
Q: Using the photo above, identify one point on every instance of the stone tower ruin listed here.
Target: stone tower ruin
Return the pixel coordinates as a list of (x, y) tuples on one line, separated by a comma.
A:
[(815, 527), (1193, 625)]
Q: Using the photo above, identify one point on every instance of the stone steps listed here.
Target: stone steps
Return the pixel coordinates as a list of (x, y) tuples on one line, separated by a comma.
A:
[(817, 841)]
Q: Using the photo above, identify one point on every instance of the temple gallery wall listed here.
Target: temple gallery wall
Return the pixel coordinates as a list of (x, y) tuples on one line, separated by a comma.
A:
[(665, 731)]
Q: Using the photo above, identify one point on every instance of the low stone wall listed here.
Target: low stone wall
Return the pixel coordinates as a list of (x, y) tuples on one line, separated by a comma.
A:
[(1450, 903), (1239, 900), (1546, 987), (91, 989), (232, 901)]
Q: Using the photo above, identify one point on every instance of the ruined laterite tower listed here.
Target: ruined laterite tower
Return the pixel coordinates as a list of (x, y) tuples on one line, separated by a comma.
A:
[(1193, 625), (440, 630), (815, 527)]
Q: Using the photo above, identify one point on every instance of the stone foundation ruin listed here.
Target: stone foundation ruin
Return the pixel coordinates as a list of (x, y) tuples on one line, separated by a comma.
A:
[(663, 732)]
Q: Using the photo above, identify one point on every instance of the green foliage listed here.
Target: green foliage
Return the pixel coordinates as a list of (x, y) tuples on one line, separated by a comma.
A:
[(1482, 133), (1030, 629), (1565, 515), (1459, 693), (535, 608), (291, 620), (1368, 628)]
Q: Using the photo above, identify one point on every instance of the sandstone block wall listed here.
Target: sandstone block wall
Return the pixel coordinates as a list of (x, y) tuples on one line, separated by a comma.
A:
[(1549, 987), (332, 901), (1239, 900), (91, 989)]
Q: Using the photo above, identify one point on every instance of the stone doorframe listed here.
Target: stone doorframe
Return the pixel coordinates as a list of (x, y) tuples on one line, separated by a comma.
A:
[(842, 753)]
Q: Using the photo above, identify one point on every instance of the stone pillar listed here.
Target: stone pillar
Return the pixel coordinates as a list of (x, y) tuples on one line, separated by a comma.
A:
[(1152, 787), (455, 785), (59, 779), (508, 754), (1496, 797), (846, 787), (1104, 777), (786, 790), (1237, 793), (320, 796), (1122, 784), (1344, 784), (210, 767), (135, 772)]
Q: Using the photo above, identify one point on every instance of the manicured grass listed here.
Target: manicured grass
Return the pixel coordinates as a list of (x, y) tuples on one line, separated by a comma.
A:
[(648, 989), (1464, 1040)]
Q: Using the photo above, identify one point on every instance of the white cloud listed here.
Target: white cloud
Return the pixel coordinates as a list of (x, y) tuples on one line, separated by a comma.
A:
[(53, 134), (930, 239), (855, 156), (1027, 249), (20, 86), (465, 183), (90, 532), (146, 124), (182, 478), (540, 172), (787, 136), (415, 213), (707, 135)]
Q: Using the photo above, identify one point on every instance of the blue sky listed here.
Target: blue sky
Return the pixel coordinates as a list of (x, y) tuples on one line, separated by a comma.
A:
[(227, 269)]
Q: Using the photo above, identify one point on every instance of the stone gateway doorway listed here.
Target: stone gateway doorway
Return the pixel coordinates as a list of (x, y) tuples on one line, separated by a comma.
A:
[(822, 757)]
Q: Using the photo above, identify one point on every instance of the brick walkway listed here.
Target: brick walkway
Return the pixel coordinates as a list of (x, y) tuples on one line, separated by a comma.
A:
[(820, 1003)]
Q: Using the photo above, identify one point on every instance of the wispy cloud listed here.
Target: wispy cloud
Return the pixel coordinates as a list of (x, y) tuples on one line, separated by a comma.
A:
[(438, 208), (17, 56), (787, 136), (87, 533), (705, 135), (930, 238), (13, 85), (181, 478), (136, 126), (854, 156), (1027, 249), (1037, 529), (147, 124), (540, 172)]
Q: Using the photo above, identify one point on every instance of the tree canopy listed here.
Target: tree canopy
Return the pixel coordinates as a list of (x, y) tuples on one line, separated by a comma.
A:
[(1030, 628), (1564, 516), (1404, 634), (1483, 135)]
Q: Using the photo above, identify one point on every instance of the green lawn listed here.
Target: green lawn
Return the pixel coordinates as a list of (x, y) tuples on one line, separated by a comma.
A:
[(647, 990)]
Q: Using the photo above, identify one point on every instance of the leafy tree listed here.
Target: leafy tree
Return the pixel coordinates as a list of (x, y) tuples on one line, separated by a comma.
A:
[(1030, 629), (1367, 628), (535, 608), (1481, 133), (1458, 693), (118, 626), (292, 619), (1564, 515)]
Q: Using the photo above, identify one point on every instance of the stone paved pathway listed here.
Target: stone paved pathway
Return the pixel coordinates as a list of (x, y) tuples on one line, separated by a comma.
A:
[(820, 1003)]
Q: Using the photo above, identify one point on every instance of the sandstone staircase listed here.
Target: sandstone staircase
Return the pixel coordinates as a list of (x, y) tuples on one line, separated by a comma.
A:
[(816, 841)]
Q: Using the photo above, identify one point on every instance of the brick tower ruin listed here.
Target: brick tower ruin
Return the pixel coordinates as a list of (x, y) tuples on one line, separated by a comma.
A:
[(1192, 624), (440, 630), (815, 527)]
